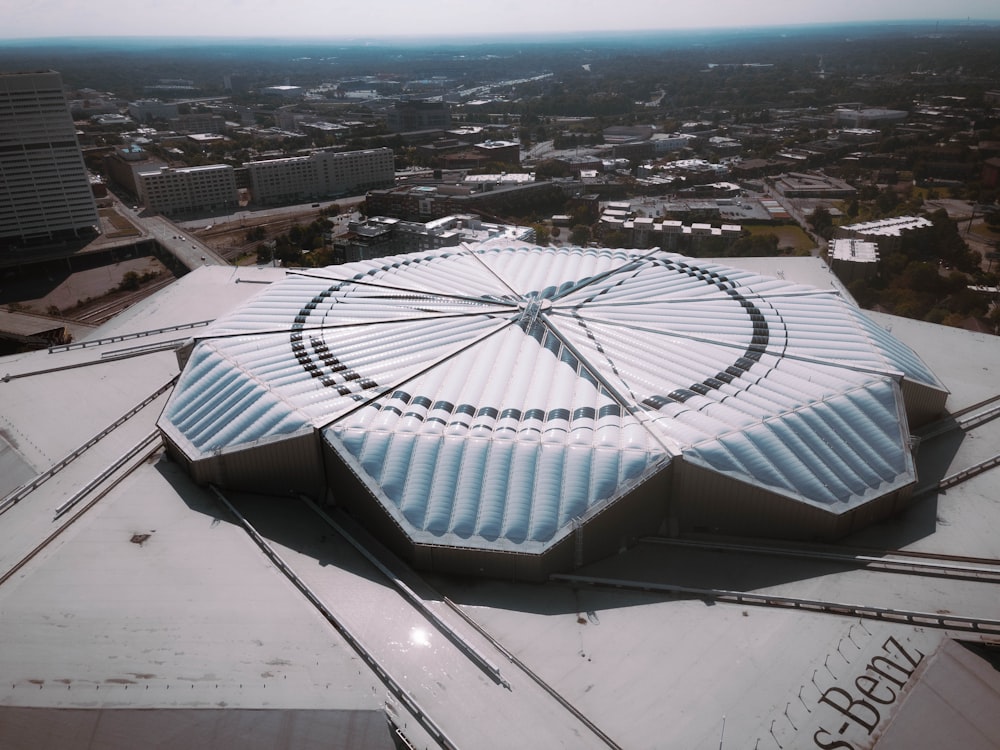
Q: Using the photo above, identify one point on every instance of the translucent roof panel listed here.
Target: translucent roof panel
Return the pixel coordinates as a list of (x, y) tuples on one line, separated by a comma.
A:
[(505, 445), (215, 405), (834, 454), (495, 396)]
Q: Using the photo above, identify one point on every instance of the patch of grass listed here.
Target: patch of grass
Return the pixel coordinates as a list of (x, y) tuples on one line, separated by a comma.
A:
[(123, 228), (789, 235)]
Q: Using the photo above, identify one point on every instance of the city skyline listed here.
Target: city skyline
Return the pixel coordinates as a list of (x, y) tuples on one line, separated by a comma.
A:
[(450, 18)]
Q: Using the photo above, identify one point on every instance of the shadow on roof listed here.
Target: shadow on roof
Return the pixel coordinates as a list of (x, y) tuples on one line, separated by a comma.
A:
[(289, 523)]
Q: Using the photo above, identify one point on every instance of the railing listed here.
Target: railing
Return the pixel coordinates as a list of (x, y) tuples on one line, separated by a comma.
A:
[(24, 490), (136, 351), (394, 687), (415, 601), (929, 619), (959, 477), (125, 337), (143, 445), (890, 561)]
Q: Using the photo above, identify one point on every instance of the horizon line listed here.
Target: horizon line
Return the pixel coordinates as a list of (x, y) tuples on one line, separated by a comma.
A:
[(506, 36)]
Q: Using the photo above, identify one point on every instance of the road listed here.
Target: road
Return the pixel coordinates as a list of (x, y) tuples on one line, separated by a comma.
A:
[(252, 217), (182, 239), (228, 235), (183, 245)]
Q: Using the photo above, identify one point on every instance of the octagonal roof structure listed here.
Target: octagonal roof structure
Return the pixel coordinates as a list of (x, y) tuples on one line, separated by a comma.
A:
[(495, 397)]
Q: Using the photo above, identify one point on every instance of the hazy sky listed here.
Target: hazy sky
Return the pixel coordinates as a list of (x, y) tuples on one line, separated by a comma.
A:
[(382, 18)]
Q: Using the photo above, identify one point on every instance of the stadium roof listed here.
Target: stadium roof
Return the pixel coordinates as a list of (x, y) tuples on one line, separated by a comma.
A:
[(197, 618), (494, 396)]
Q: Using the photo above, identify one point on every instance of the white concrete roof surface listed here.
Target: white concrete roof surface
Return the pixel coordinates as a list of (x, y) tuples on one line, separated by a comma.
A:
[(194, 616)]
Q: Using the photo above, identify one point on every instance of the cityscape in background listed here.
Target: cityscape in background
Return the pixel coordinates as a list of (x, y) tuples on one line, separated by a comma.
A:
[(719, 145)]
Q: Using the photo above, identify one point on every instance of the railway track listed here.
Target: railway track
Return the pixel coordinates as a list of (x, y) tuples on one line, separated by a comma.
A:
[(95, 315)]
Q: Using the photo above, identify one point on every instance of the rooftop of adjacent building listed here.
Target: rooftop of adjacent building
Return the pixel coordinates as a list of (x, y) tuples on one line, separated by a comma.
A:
[(889, 227), (855, 251)]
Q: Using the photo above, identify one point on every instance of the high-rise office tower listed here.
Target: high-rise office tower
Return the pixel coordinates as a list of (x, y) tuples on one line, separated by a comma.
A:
[(45, 192)]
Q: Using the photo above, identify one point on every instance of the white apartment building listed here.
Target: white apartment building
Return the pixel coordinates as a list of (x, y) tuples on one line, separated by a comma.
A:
[(45, 190), (322, 174), (854, 259), (283, 180), (185, 190)]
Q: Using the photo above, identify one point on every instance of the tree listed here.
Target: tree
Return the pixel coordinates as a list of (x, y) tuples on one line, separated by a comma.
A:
[(887, 200), (255, 234), (920, 277), (821, 220), (551, 168), (580, 235), (615, 238), (862, 292), (130, 282), (755, 245), (541, 233), (994, 317)]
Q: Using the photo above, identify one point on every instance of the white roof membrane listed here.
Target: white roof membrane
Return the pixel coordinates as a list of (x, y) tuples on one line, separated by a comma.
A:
[(492, 395), (834, 454)]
